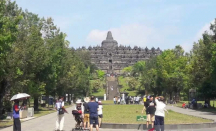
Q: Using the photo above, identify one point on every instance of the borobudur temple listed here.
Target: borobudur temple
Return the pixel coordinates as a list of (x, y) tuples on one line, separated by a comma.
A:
[(112, 58)]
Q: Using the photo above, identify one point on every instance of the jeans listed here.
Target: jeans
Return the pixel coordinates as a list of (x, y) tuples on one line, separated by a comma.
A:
[(159, 123)]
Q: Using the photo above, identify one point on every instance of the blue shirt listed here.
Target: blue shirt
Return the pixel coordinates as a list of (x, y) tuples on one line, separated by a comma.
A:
[(93, 108), (15, 113)]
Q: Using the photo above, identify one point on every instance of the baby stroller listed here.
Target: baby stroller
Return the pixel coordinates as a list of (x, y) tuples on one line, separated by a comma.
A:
[(78, 118)]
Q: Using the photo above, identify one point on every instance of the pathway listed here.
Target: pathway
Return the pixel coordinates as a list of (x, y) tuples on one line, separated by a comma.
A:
[(112, 87), (205, 115)]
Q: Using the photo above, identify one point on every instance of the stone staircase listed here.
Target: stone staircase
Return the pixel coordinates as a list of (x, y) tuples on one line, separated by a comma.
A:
[(112, 87)]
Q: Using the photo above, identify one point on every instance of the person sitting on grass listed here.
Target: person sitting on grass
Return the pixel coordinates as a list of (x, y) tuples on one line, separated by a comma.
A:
[(184, 105)]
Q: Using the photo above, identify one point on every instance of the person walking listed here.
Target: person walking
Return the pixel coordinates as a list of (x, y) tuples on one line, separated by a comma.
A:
[(119, 100), (100, 113), (114, 100), (96, 99), (86, 113), (159, 113), (16, 116), (93, 111), (134, 99), (137, 99), (60, 114)]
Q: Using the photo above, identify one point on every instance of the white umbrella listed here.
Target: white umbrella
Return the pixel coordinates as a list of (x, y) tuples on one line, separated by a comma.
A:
[(20, 96)]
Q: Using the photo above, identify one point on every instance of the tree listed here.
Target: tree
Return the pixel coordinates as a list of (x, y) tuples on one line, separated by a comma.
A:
[(132, 83), (9, 19)]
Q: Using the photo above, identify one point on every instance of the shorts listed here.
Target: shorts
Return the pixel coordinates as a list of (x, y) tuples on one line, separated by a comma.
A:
[(150, 117), (94, 120), (86, 118), (100, 116)]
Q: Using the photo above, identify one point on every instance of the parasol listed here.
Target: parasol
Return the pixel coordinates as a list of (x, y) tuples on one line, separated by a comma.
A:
[(20, 96)]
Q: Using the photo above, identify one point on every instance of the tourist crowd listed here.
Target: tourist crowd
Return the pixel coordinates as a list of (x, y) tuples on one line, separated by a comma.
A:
[(85, 113), (126, 100)]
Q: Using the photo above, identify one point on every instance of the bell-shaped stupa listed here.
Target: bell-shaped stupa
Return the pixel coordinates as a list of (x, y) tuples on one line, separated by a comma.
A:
[(109, 42)]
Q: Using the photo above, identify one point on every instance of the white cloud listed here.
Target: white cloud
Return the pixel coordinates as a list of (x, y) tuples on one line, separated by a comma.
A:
[(189, 45), (133, 34), (206, 27)]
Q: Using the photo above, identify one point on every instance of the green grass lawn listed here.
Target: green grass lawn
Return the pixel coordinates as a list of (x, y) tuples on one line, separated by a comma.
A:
[(123, 81), (100, 93), (126, 114), (108, 102)]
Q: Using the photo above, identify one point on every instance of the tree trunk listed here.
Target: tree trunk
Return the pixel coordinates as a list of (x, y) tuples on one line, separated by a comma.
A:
[(170, 96), (47, 99), (35, 103), (3, 88)]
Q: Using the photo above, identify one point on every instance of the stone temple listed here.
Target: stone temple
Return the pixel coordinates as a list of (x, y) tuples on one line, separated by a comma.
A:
[(112, 58)]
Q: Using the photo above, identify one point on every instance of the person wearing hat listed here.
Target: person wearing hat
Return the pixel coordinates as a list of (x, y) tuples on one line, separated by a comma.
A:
[(79, 107), (86, 113)]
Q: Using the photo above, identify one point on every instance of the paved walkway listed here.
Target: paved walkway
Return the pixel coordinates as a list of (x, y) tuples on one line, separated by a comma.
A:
[(205, 115)]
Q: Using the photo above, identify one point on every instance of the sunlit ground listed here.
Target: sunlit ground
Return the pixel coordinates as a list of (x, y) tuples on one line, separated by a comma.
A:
[(126, 114)]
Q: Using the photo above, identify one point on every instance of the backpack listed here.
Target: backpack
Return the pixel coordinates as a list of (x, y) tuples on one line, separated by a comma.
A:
[(61, 111)]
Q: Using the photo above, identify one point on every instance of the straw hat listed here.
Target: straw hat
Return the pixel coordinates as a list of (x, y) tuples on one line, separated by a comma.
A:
[(86, 99), (78, 101)]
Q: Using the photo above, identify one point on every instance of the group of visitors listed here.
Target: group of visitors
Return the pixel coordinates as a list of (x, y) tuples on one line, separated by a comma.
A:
[(90, 113), (155, 111), (118, 100), (126, 100)]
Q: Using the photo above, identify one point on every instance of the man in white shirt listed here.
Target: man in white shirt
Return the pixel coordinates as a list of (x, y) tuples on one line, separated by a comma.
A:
[(134, 100), (60, 114), (137, 99), (114, 100), (159, 113)]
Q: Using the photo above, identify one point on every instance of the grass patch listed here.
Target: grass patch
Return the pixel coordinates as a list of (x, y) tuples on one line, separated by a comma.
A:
[(6, 123), (108, 102), (126, 114), (99, 93)]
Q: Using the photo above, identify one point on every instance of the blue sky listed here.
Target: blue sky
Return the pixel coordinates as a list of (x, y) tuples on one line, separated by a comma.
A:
[(151, 23)]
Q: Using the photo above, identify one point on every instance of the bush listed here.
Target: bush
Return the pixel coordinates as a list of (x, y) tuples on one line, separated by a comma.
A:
[(7, 105)]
